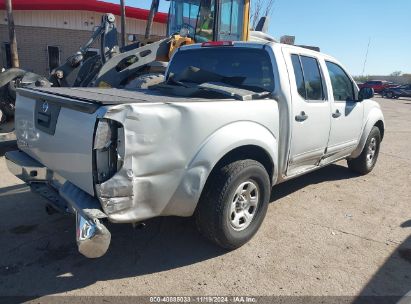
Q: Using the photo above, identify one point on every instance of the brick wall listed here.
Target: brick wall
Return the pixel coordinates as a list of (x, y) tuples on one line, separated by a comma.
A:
[(32, 45)]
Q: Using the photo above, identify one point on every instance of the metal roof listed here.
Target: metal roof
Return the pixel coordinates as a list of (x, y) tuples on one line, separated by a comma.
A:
[(84, 5)]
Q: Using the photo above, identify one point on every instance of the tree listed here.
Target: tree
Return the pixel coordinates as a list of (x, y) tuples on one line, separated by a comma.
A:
[(396, 73), (12, 35), (260, 8)]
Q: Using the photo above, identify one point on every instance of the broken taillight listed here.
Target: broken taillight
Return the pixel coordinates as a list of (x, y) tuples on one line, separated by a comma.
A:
[(107, 142)]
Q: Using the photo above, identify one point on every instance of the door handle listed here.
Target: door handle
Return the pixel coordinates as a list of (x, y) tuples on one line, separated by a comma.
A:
[(336, 114), (301, 117)]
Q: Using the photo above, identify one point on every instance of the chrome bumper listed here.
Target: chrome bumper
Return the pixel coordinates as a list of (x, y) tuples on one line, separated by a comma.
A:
[(93, 238)]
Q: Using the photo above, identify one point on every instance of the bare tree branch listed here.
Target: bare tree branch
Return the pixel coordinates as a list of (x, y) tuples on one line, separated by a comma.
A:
[(259, 9)]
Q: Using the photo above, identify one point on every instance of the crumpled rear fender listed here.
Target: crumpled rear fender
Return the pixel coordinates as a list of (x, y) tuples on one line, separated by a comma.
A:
[(221, 142), (169, 152)]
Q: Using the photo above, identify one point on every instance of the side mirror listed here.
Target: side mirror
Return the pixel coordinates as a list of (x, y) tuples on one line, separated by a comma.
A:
[(365, 93)]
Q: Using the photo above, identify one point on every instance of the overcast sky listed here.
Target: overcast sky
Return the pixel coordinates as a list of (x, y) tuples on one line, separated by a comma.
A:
[(343, 28)]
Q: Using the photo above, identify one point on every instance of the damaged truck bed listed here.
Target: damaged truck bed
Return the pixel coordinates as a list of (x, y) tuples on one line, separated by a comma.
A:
[(127, 156), (228, 123)]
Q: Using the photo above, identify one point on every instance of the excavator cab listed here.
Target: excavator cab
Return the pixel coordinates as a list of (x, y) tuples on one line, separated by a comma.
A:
[(209, 20)]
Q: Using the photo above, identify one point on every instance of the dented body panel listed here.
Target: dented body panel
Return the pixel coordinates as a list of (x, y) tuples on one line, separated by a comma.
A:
[(171, 149), (143, 154)]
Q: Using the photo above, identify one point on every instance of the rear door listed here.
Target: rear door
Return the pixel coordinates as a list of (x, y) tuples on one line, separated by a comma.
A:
[(311, 111), (347, 113)]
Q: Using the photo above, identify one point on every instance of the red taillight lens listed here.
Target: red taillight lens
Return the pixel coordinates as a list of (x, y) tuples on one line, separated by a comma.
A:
[(217, 43)]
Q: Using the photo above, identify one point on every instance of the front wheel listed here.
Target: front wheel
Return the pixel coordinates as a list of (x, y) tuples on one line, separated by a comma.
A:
[(366, 161), (234, 203)]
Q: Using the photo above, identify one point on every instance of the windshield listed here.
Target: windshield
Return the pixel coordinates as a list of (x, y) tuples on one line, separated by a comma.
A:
[(199, 18), (240, 67), (183, 14)]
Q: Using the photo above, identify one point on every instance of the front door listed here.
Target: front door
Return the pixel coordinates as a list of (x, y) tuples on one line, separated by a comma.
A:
[(311, 112), (347, 113)]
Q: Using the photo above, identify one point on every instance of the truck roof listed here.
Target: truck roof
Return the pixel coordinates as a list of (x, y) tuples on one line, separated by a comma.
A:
[(261, 44)]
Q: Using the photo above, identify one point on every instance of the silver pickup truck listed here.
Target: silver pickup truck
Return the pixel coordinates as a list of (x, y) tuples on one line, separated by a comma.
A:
[(230, 121)]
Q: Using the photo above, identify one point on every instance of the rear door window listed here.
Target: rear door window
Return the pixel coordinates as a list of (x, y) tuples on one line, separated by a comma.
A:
[(308, 77), (299, 77)]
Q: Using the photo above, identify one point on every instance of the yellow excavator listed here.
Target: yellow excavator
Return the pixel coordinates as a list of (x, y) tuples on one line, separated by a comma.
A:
[(189, 21), (139, 65)]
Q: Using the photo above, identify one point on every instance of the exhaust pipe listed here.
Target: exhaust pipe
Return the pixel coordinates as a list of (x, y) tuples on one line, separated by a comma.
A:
[(93, 238)]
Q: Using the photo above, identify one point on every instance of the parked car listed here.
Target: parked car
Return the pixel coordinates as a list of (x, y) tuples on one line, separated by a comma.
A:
[(397, 92), (377, 85), (231, 120)]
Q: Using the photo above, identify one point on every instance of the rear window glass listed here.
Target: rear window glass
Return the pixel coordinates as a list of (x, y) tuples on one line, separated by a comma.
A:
[(247, 67)]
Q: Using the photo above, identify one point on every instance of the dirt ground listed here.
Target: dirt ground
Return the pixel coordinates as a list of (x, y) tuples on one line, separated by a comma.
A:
[(327, 233)]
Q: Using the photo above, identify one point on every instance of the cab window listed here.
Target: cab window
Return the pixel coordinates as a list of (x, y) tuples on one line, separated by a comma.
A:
[(308, 77), (183, 14), (343, 87), (242, 67), (205, 21), (231, 21)]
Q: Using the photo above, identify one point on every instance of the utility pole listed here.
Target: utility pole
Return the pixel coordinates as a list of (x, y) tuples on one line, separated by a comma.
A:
[(123, 23), (153, 12), (12, 35)]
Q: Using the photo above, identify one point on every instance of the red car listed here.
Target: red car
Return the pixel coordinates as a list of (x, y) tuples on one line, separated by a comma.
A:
[(378, 85)]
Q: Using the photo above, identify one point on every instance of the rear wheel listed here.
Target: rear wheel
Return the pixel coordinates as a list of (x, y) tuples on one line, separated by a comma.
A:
[(366, 161), (390, 95), (234, 203)]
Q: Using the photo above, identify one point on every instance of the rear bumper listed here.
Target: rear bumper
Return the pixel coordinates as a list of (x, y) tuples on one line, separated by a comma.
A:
[(93, 238), (24, 167)]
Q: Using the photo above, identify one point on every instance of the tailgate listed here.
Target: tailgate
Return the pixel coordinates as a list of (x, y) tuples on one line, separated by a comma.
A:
[(58, 132)]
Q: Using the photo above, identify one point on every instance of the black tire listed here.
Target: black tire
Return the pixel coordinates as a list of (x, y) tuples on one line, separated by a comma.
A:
[(390, 95), (146, 81), (363, 164), (2, 117), (214, 217), (8, 99)]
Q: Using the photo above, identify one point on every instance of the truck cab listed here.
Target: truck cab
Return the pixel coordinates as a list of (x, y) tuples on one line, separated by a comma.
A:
[(231, 120)]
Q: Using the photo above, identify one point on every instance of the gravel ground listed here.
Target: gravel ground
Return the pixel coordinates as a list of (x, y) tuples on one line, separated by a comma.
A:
[(327, 233)]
